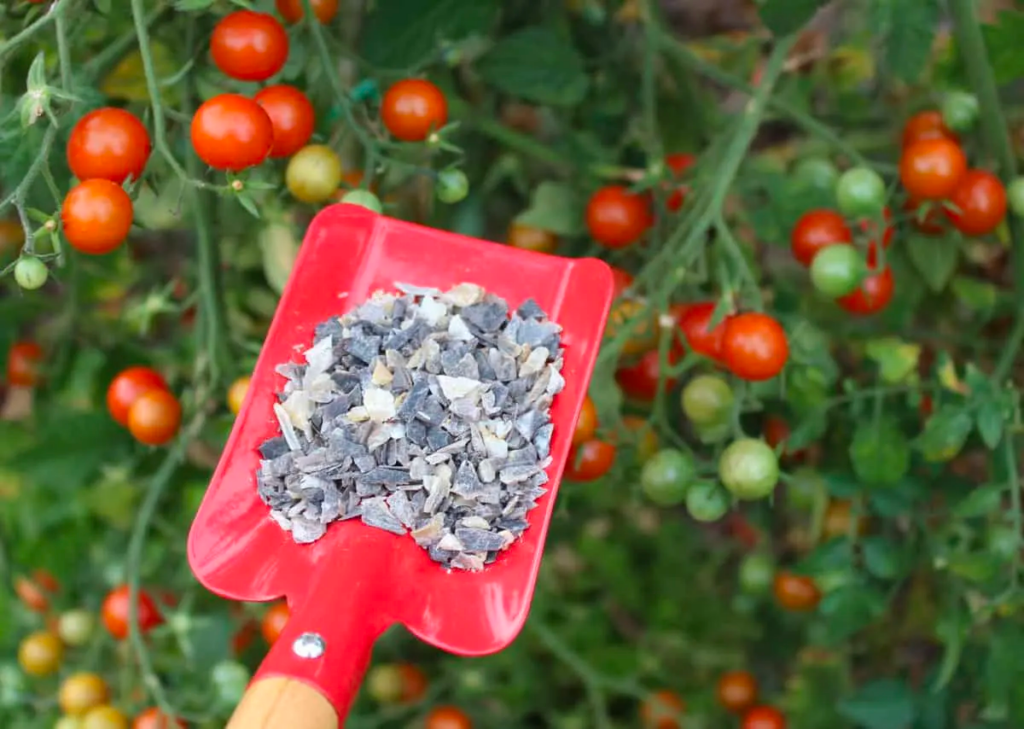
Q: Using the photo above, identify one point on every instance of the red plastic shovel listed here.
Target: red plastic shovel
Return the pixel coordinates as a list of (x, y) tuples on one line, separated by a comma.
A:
[(344, 590)]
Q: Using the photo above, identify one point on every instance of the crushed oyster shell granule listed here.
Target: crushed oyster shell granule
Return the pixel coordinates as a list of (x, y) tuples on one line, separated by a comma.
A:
[(422, 413)]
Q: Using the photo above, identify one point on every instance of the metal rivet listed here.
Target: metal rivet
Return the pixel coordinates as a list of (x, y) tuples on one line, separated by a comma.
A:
[(309, 645)]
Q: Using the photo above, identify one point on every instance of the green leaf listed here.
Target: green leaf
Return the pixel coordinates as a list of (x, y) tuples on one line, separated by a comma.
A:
[(980, 296), (978, 568), (536, 64), (883, 704), (188, 5), (982, 501), (851, 608), (554, 207), (990, 420), (908, 30), (945, 433), (896, 359), (1003, 41), (783, 17), (934, 258), (808, 430), (400, 34), (880, 453), (882, 557)]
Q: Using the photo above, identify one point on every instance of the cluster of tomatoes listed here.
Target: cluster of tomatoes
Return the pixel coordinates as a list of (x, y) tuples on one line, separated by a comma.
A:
[(84, 697), (737, 692), (140, 399)]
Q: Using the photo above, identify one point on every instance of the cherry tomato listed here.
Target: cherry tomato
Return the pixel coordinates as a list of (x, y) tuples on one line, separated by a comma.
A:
[(815, 230), (960, 110), (932, 221), (414, 683), (737, 691), (707, 501), (313, 173), (1015, 192), (231, 132), (249, 46), (126, 388), (292, 10), (82, 691), (796, 593), (154, 417), (413, 108), (586, 425), (362, 198), (23, 364), (662, 710), (764, 717), (30, 273), (12, 235), (931, 169), (754, 346), (868, 225), (244, 636), (31, 594), (980, 202), (695, 323), (153, 718), (837, 270), (707, 400), (451, 185), (237, 392), (756, 573), (274, 621), (115, 612), (643, 336), (860, 191), (230, 679), (590, 461), (616, 217), (873, 295), (40, 653), (394, 683), (97, 215), (666, 477), (447, 717), (749, 468), (679, 163), (926, 125), (104, 717), (839, 520), (75, 627), (531, 239), (776, 432), (816, 172), (640, 380), (108, 144), (622, 281), (291, 116)]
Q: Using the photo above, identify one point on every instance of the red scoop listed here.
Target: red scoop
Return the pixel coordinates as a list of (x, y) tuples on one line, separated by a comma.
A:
[(356, 581)]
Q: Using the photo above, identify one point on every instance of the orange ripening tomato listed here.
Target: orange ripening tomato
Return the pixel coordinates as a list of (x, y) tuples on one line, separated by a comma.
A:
[(737, 691), (586, 425), (414, 683), (817, 229), (115, 612), (764, 717), (274, 621), (447, 717), (838, 520), (590, 461), (23, 364), (662, 710), (291, 116), (97, 216), (292, 10), (126, 388), (237, 392), (109, 144), (153, 718), (249, 46), (32, 591), (796, 593), (754, 346), (529, 238), (932, 168), (980, 203), (640, 380), (82, 691), (616, 217), (231, 132), (926, 125), (413, 108), (622, 281), (154, 417)]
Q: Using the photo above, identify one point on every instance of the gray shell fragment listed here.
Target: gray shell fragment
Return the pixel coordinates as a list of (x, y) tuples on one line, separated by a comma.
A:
[(422, 413)]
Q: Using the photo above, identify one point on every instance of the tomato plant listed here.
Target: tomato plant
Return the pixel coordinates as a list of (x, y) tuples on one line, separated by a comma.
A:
[(749, 468), (639, 380), (153, 718), (97, 215), (292, 10), (873, 295), (126, 388), (927, 124), (754, 346), (815, 230), (931, 169), (23, 360), (978, 203), (313, 174), (274, 621), (115, 612), (737, 691), (591, 460), (413, 108), (40, 653), (666, 476), (291, 115), (249, 46), (702, 332), (707, 400), (447, 717), (662, 710), (531, 239), (232, 132), (586, 424), (154, 417), (797, 593), (764, 717), (81, 692), (108, 144), (616, 217)]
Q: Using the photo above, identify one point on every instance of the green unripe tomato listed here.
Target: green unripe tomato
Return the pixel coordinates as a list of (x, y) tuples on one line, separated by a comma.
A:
[(363, 198), (707, 501), (749, 468), (1015, 194), (860, 192), (816, 172), (756, 573), (959, 110), (30, 273), (838, 270), (452, 185), (667, 475), (707, 400)]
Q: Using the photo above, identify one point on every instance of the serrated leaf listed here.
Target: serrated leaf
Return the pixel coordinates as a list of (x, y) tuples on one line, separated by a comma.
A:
[(935, 259), (783, 17), (1002, 39), (982, 501), (403, 33), (896, 359), (554, 207), (536, 64), (879, 453), (884, 704), (990, 421), (908, 30), (944, 434), (977, 295)]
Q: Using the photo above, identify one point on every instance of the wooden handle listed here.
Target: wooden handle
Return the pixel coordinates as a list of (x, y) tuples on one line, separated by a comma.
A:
[(279, 703)]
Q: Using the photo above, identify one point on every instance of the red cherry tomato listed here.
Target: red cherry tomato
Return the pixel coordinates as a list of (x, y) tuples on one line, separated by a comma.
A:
[(616, 217), (873, 295), (695, 323), (154, 417), (97, 216), (796, 593), (586, 424), (292, 10), (231, 132), (115, 612), (640, 380), (868, 226), (413, 108), (291, 115), (754, 346), (926, 125), (679, 163), (980, 199), (249, 46), (447, 717), (764, 717), (930, 169), (126, 388), (591, 460), (110, 144), (932, 223), (737, 691), (815, 230), (661, 710), (776, 431), (153, 718), (623, 280), (23, 364)]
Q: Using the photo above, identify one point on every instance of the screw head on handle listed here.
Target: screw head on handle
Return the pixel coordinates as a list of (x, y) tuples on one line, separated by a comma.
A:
[(309, 645)]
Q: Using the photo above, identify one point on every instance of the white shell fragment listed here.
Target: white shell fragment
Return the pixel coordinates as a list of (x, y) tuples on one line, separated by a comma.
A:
[(424, 413)]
